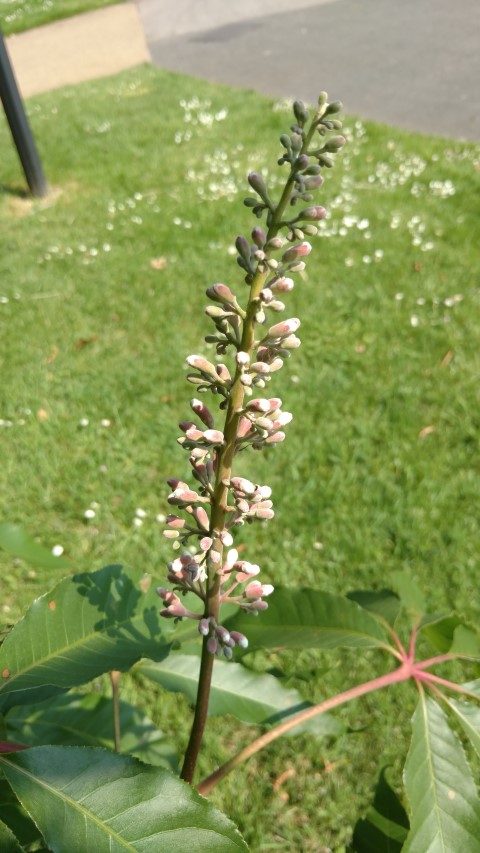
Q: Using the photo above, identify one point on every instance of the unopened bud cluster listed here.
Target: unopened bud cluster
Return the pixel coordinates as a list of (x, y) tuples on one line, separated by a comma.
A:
[(258, 347)]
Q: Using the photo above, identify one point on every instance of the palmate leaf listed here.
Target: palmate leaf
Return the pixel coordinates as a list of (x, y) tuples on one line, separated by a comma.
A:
[(87, 720), (384, 604), (249, 696), (93, 800), (444, 805), (87, 625), (309, 618), (15, 817)]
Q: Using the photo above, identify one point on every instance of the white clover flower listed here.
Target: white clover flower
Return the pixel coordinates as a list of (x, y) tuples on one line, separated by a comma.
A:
[(89, 513), (57, 550)]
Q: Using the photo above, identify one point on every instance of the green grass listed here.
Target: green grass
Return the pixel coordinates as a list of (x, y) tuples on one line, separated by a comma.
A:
[(380, 471), (16, 16)]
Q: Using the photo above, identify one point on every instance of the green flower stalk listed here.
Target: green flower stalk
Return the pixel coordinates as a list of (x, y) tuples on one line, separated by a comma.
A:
[(258, 345)]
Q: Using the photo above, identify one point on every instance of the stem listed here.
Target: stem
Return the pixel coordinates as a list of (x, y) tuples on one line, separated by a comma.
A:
[(403, 673), (223, 475), (117, 734)]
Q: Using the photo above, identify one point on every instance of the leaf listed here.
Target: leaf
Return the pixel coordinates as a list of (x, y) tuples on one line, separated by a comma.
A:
[(87, 720), (14, 815), (16, 542), (445, 810), (440, 630), (249, 696), (93, 800), (384, 604), (88, 624), (410, 593), (309, 618), (8, 842), (466, 642), (385, 826), (468, 714)]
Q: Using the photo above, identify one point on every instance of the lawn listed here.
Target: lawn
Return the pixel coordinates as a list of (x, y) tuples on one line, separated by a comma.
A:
[(101, 298), (19, 15)]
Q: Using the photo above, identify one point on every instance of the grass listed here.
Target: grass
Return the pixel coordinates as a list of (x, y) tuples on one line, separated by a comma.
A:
[(16, 16), (101, 298)]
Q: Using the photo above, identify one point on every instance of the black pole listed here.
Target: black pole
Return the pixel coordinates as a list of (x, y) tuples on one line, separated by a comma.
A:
[(19, 126)]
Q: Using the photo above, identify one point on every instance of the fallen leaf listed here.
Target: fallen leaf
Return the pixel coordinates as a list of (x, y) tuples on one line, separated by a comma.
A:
[(53, 354), (426, 431), (82, 342), (158, 263), (447, 358)]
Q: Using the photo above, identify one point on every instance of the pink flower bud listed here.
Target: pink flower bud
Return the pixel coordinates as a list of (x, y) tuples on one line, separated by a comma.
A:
[(240, 484), (177, 484), (259, 605), (282, 285), (175, 522), (275, 403), (244, 427), (275, 365), (174, 611), (239, 639), (206, 543), (201, 517), (226, 538), (221, 293), (259, 237), (213, 436), (264, 513), (284, 328), (212, 645), (171, 534), (243, 358), (276, 438), (232, 557), (292, 342), (313, 214), (201, 363), (258, 405), (223, 372), (194, 434), (260, 367), (204, 627), (202, 411), (294, 253)]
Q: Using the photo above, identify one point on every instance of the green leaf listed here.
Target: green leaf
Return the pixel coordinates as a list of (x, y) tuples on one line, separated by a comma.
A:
[(309, 618), (16, 542), (410, 593), (93, 800), (384, 604), (440, 630), (249, 696), (87, 720), (466, 642), (8, 842), (445, 809), (88, 624), (386, 824), (468, 714), (15, 816)]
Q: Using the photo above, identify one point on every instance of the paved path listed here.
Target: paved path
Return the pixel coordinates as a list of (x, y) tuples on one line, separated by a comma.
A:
[(412, 63), (84, 47)]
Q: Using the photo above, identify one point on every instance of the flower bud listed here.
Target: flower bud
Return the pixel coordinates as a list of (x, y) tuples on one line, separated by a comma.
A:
[(334, 107), (201, 363), (334, 144), (201, 517), (240, 484), (212, 645), (284, 328), (202, 411), (221, 293), (282, 285), (175, 522), (213, 436), (259, 237), (240, 639), (243, 358), (243, 247), (206, 543), (204, 627), (294, 253), (258, 184), (313, 214), (314, 182)]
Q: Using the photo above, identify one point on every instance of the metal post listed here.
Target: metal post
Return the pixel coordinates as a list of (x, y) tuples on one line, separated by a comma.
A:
[(19, 126)]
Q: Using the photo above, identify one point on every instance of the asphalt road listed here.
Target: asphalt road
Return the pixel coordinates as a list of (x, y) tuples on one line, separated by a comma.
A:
[(412, 63)]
